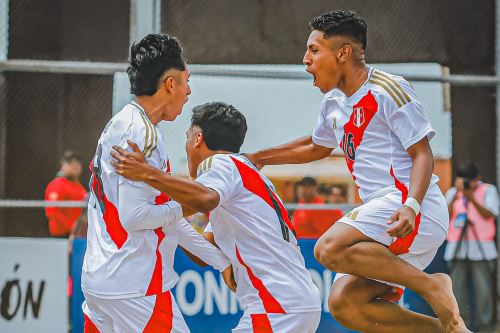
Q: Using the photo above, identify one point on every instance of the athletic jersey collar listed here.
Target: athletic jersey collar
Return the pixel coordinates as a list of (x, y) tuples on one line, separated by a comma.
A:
[(142, 112), (361, 88)]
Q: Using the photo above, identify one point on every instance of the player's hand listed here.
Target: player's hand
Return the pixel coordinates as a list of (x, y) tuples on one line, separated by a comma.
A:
[(131, 165), (404, 218), (228, 277), (253, 159)]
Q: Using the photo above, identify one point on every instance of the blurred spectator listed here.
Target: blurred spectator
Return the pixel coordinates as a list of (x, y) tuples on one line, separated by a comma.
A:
[(471, 250), (338, 195), (312, 223), (324, 191), (66, 187)]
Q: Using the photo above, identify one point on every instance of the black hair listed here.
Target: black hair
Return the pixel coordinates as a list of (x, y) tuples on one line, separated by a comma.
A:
[(69, 156), (149, 59), (308, 181), (223, 126), (341, 23), (467, 170)]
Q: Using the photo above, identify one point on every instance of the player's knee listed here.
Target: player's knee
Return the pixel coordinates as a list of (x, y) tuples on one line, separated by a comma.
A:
[(342, 308), (328, 251)]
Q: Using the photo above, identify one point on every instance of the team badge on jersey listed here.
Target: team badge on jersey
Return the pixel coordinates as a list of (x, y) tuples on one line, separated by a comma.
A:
[(359, 116)]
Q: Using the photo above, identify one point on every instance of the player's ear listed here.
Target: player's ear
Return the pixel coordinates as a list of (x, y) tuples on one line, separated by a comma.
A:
[(169, 84), (199, 139), (344, 53)]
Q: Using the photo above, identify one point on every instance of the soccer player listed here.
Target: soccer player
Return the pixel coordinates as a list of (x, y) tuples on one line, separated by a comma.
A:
[(134, 229), (248, 221), (378, 121)]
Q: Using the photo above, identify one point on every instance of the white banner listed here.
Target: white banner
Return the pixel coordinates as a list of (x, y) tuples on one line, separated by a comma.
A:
[(33, 285)]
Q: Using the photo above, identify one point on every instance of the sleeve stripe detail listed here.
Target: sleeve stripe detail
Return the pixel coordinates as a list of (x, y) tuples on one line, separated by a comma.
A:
[(382, 84), (155, 140), (150, 139), (204, 166), (146, 141), (394, 85)]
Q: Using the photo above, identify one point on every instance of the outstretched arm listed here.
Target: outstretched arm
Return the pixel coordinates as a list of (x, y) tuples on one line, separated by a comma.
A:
[(302, 150), (188, 193)]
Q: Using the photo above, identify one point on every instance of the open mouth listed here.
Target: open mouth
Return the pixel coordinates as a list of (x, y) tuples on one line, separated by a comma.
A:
[(313, 75)]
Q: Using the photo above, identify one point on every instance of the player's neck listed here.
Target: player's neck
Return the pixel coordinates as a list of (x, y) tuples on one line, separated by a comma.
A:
[(151, 108), (354, 79)]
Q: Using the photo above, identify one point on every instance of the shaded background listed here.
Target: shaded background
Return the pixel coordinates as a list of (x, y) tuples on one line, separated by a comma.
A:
[(41, 115)]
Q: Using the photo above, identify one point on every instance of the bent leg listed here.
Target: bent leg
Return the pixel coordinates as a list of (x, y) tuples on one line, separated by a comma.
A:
[(354, 303), (345, 249)]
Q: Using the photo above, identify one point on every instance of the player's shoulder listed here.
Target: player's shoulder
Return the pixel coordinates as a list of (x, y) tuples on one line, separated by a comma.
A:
[(390, 88), (217, 161), (133, 122)]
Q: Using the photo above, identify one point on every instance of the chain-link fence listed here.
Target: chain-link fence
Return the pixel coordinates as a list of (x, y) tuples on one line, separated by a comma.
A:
[(45, 110)]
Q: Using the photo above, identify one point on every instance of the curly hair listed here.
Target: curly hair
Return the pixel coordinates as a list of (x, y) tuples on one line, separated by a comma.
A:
[(149, 59), (223, 126), (343, 23)]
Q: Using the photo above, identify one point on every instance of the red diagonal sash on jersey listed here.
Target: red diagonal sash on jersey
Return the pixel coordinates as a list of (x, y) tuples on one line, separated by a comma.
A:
[(402, 245), (271, 305), (156, 283), (116, 231), (253, 182), (354, 129)]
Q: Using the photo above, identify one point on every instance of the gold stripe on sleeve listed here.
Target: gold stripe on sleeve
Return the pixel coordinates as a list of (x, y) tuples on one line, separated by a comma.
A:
[(147, 134), (391, 86), (382, 84), (398, 86)]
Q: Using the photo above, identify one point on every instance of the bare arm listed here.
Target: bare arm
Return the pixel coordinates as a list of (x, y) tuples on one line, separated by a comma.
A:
[(420, 178), (185, 191), (190, 194), (302, 150), (421, 172)]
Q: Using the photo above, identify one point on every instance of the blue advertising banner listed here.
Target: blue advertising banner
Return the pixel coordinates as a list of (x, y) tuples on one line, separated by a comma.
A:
[(209, 307)]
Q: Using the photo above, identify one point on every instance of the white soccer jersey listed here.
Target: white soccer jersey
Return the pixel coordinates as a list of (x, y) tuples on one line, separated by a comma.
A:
[(374, 127), (252, 228), (133, 231)]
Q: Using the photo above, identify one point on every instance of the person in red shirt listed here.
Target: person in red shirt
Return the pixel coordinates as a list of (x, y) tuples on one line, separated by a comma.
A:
[(312, 223), (65, 187)]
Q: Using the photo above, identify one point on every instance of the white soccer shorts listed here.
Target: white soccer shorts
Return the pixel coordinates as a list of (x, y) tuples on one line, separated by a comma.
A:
[(418, 248), (304, 322), (148, 314)]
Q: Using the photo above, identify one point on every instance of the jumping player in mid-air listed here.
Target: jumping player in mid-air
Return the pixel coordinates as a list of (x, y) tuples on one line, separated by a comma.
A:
[(248, 221), (378, 121)]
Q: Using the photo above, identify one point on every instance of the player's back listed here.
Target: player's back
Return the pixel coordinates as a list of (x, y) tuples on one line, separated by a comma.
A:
[(120, 261), (252, 228)]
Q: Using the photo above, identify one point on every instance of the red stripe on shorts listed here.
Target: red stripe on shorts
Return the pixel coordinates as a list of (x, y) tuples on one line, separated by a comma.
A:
[(402, 245), (261, 323), (162, 316), (88, 325), (393, 295), (271, 305), (156, 283)]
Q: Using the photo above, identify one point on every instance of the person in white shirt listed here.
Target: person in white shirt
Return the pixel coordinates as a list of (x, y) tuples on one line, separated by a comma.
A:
[(377, 120), (248, 221), (133, 229)]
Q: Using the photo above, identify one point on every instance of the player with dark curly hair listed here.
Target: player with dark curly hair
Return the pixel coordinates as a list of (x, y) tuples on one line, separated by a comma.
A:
[(383, 245), (134, 229), (248, 221)]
